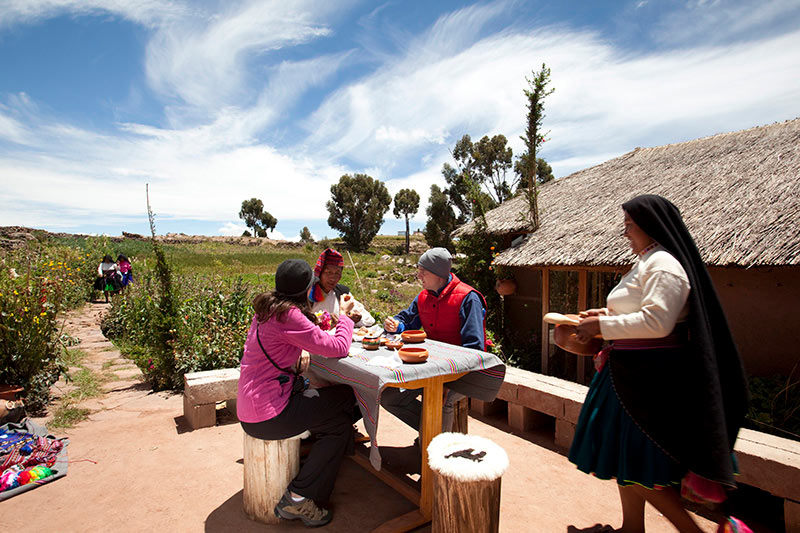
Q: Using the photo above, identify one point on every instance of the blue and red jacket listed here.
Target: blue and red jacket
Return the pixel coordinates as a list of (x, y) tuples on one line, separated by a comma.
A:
[(455, 314)]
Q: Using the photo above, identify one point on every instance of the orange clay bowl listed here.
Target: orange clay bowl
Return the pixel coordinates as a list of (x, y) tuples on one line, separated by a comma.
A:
[(566, 339), (394, 345), (371, 343), (409, 354), (413, 335)]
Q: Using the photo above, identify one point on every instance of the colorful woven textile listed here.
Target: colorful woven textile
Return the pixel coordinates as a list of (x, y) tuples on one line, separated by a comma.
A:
[(29, 457)]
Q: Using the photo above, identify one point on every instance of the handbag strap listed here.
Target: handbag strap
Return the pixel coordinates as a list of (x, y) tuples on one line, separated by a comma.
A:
[(284, 370)]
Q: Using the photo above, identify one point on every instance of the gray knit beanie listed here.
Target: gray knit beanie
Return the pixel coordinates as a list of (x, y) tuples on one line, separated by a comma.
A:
[(436, 260)]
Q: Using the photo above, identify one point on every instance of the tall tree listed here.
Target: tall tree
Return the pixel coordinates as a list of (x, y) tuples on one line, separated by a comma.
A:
[(493, 159), (485, 163), (535, 93), (305, 235), (406, 202), (254, 216), (441, 220), (356, 208), (544, 172)]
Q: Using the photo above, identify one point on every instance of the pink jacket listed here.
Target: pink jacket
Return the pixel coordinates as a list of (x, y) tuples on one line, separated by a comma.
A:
[(261, 397)]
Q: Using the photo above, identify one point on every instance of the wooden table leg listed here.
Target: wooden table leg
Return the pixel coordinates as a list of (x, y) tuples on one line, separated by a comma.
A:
[(431, 426)]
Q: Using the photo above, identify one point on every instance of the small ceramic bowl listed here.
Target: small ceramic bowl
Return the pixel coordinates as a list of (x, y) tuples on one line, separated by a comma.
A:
[(394, 345), (371, 343), (409, 354), (413, 335)]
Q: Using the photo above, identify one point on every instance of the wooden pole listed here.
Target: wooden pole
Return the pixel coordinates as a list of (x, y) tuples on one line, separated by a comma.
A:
[(545, 327)]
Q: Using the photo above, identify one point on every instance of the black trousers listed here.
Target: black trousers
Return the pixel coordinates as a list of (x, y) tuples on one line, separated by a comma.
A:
[(328, 414)]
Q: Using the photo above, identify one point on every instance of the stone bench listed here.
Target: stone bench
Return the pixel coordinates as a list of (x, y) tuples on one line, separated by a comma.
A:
[(772, 464), (533, 400), (202, 391)]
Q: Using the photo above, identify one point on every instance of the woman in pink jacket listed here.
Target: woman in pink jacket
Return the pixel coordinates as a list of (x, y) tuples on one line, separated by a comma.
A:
[(273, 401)]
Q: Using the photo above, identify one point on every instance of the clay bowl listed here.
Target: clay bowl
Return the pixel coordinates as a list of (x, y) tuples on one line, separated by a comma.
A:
[(371, 343), (410, 354), (566, 339), (394, 345), (413, 335)]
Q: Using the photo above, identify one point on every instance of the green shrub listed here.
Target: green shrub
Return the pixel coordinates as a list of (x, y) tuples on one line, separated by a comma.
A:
[(775, 405), (37, 282)]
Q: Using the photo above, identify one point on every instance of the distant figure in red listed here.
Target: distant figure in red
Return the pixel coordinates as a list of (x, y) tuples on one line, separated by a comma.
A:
[(125, 270)]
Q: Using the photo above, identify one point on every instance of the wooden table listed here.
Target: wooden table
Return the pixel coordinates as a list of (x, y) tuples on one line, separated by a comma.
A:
[(471, 372)]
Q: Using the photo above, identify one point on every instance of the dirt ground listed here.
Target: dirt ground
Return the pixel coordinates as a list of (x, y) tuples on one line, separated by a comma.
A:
[(136, 466)]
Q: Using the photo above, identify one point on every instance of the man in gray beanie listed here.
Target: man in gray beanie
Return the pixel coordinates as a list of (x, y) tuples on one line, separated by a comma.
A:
[(449, 311)]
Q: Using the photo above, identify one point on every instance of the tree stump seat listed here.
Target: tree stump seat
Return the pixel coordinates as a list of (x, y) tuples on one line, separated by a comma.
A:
[(269, 466), (466, 471)]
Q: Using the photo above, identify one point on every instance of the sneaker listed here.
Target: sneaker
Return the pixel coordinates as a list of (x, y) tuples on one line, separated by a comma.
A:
[(305, 510)]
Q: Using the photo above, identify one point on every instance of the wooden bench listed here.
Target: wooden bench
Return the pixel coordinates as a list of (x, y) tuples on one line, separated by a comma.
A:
[(533, 400), (202, 391)]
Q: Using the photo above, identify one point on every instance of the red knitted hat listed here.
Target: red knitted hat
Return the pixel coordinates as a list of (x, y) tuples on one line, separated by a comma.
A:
[(328, 257)]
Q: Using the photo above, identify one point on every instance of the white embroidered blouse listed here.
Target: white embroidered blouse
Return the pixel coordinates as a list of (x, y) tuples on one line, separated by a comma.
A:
[(649, 300)]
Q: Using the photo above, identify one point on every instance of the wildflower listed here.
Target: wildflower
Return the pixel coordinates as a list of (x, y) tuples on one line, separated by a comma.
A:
[(491, 247)]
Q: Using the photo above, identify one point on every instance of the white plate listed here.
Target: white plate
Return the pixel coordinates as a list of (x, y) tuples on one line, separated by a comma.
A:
[(372, 331)]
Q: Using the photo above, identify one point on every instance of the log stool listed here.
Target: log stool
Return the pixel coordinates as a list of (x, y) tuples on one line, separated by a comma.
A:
[(467, 470), (269, 466)]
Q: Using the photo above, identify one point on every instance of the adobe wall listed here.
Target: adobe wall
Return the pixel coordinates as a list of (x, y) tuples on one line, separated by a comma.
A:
[(762, 309)]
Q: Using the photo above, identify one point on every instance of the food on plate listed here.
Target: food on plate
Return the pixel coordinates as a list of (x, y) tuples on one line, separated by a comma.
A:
[(394, 345), (362, 331)]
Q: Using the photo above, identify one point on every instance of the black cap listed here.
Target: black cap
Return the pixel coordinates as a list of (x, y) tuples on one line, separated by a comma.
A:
[(293, 278)]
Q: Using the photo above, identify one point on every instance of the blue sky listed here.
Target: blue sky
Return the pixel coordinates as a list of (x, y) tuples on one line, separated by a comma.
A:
[(212, 103)]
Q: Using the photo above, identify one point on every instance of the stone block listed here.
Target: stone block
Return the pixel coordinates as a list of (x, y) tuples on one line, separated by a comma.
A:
[(211, 385), (199, 416), (521, 418), (482, 408), (791, 516), (230, 404), (770, 463), (565, 432), (538, 398)]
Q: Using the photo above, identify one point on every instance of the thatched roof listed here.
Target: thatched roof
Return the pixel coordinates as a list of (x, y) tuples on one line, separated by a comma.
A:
[(739, 194)]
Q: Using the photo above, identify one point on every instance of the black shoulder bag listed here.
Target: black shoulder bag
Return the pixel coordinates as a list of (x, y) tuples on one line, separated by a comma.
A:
[(299, 383)]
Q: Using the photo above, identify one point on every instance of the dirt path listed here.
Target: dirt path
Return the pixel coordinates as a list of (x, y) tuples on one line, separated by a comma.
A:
[(136, 466)]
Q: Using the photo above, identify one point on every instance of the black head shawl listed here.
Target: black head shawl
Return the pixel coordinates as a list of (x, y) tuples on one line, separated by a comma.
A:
[(692, 405)]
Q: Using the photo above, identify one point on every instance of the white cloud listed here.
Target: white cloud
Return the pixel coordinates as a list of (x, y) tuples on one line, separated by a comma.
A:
[(232, 229), (395, 122), (146, 12)]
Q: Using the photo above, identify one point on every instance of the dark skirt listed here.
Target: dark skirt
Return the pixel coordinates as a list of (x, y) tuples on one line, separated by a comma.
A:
[(609, 444)]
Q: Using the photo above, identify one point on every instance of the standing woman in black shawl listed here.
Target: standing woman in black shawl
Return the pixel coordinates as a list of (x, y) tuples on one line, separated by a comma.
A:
[(670, 393)]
